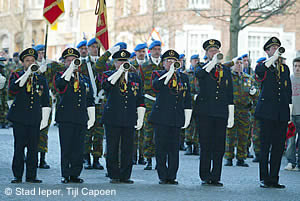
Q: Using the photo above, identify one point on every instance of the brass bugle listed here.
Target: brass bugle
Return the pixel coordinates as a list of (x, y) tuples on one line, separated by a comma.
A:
[(281, 50), (220, 56), (126, 66), (77, 62), (34, 68), (177, 65)]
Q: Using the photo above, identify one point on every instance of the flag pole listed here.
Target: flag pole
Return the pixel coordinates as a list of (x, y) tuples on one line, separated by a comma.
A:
[(46, 41)]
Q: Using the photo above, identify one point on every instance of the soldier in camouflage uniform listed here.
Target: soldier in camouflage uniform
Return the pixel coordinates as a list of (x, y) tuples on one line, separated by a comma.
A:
[(94, 137), (3, 96), (254, 123), (154, 63), (238, 134), (140, 52), (48, 69), (191, 136)]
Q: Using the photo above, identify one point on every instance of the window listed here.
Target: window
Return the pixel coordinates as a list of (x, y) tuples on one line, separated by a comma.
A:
[(161, 5), (199, 4), (20, 6), (126, 7), (143, 7), (256, 41), (195, 41), (264, 5)]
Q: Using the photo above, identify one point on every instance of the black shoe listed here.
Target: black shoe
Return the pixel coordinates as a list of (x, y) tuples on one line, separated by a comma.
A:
[(216, 183), (33, 180), (65, 180), (141, 161), (114, 181), (97, 165), (126, 181), (76, 180), (16, 180), (241, 163), (196, 150), (228, 162), (188, 150), (134, 162), (149, 165), (162, 181), (206, 183), (44, 166), (264, 184), (276, 185), (172, 181), (106, 174)]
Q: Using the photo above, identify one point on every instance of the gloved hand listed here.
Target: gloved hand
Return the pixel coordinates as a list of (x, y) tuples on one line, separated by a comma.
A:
[(210, 65), (114, 77), (68, 73), (272, 59), (140, 120), (22, 80), (168, 75), (114, 49), (252, 90), (91, 114), (187, 117), (230, 122), (291, 112), (43, 66), (195, 97), (45, 117), (2, 81)]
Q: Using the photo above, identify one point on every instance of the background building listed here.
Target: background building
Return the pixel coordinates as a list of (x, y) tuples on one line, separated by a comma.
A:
[(178, 24)]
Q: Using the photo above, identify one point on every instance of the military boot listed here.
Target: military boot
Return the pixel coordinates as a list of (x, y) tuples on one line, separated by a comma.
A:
[(188, 150), (141, 161), (249, 155), (256, 158), (43, 163), (96, 164), (241, 162), (149, 164), (228, 162), (87, 162), (196, 150)]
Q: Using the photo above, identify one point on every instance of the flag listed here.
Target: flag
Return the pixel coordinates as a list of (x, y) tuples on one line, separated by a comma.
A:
[(52, 10), (101, 26)]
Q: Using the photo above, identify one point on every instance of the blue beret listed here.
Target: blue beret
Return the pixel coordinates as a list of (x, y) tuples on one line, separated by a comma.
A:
[(16, 54), (39, 47), (140, 46), (244, 55), (122, 45), (82, 43), (205, 57), (261, 59), (91, 42), (240, 58), (154, 43), (195, 56), (132, 55), (181, 56)]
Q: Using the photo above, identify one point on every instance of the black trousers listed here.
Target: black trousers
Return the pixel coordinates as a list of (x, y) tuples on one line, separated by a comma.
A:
[(25, 136), (272, 135), (71, 137), (167, 141), (212, 134), (113, 137)]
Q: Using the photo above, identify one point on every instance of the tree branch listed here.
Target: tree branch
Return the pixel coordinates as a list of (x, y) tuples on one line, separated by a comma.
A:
[(227, 1)]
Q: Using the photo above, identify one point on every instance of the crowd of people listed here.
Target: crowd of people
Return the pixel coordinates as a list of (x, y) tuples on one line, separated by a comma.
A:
[(147, 104)]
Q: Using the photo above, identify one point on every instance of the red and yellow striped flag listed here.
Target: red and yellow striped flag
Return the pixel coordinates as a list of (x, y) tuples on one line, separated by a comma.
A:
[(101, 26), (52, 10)]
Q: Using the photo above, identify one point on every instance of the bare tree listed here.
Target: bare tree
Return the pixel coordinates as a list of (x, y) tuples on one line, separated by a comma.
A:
[(244, 13)]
